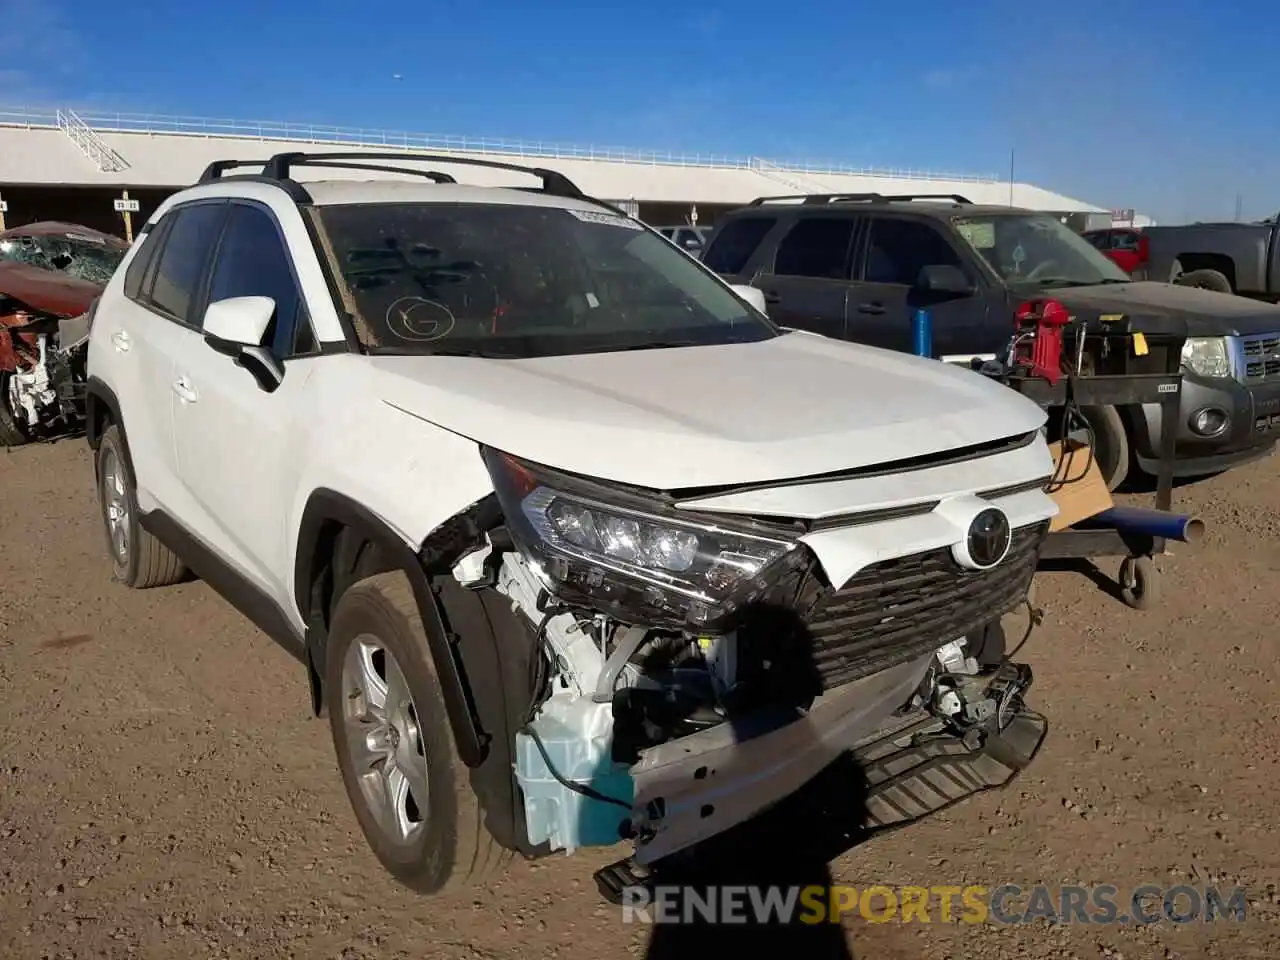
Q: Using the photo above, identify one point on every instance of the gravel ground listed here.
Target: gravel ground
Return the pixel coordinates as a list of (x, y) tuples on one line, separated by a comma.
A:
[(164, 793)]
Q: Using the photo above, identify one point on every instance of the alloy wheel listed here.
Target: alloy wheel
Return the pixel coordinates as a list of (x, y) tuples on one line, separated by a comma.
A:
[(387, 752)]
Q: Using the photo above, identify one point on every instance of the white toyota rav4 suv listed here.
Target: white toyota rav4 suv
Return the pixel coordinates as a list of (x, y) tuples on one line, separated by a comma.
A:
[(575, 545)]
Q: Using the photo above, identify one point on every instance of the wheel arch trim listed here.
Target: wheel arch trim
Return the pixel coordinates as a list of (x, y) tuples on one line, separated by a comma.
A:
[(325, 506), (97, 392)]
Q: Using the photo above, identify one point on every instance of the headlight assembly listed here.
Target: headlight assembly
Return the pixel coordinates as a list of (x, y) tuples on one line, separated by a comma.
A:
[(614, 549), (1207, 357)]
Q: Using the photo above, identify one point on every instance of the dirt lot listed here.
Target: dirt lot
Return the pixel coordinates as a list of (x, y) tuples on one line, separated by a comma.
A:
[(164, 793)]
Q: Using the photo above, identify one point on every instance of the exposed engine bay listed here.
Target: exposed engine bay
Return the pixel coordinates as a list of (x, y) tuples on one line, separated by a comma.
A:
[(50, 275), (42, 366), (665, 734)]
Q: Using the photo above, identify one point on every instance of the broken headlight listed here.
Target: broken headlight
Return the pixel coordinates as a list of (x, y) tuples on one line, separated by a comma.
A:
[(621, 551)]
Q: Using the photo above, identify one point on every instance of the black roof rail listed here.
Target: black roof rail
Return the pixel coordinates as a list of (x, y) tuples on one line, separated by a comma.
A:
[(215, 170), (954, 197), (816, 199), (819, 198), (279, 166), (805, 197), (433, 175)]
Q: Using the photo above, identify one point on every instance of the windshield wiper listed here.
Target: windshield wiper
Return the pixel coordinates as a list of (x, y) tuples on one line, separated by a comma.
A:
[(1068, 282), (445, 352), (652, 345), (673, 344)]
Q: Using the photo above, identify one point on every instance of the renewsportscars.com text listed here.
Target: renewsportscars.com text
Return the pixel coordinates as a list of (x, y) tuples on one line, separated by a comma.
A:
[(972, 904)]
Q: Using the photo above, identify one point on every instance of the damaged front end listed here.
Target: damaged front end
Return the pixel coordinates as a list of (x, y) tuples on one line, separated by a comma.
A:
[(695, 669), (44, 335)]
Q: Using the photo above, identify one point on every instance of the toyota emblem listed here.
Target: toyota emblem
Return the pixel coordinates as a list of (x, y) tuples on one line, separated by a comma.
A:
[(988, 539)]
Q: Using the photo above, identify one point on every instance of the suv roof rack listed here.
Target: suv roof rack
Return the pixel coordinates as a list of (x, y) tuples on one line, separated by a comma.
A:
[(216, 169), (278, 167), (814, 199)]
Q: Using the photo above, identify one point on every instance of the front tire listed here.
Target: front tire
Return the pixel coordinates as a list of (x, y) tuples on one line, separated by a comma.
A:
[(138, 559), (1110, 444), (1214, 280), (410, 791)]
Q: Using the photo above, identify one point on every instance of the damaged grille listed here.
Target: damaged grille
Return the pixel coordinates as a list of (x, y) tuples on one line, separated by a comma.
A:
[(1261, 357), (900, 609)]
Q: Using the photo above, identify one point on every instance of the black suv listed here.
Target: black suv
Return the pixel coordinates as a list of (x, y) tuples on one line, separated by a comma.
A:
[(857, 266)]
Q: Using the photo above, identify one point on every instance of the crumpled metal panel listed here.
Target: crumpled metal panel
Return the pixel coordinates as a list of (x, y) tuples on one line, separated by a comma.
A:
[(46, 291)]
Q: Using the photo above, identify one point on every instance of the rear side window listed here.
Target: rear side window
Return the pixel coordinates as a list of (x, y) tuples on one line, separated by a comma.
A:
[(899, 249), (149, 244), (816, 247), (735, 242), (186, 251)]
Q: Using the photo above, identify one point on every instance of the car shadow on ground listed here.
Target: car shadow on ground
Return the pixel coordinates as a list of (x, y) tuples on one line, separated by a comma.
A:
[(786, 847)]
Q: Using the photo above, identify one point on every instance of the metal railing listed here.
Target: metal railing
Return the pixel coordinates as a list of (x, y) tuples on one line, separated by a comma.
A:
[(788, 178), (146, 123), (90, 144)]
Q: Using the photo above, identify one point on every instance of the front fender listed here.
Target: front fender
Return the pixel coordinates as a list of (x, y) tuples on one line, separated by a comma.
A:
[(405, 475)]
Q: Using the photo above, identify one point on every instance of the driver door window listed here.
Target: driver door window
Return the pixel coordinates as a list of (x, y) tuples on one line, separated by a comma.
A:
[(252, 262)]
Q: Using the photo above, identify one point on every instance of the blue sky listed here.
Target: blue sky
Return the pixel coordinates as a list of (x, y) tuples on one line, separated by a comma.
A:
[(1162, 105)]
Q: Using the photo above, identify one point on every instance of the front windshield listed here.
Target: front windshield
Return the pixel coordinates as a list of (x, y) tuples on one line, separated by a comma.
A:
[(81, 257), (1037, 249), (516, 281)]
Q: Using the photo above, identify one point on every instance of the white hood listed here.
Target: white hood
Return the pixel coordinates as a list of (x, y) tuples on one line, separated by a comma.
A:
[(794, 406)]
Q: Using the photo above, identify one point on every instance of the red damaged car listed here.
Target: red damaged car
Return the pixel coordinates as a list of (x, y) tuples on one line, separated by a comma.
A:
[(50, 275)]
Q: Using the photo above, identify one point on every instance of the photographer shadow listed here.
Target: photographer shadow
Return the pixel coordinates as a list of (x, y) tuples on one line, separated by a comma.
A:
[(788, 847), (781, 852)]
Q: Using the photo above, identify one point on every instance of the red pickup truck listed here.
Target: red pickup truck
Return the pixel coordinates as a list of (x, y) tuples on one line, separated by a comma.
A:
[(1124, 246)]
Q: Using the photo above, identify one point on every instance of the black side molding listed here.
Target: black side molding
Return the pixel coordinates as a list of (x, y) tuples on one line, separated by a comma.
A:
[(229, 583)]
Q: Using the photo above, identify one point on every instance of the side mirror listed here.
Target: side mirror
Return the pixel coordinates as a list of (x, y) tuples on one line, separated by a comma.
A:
[(944, 278), (235, 327), (752, 295)]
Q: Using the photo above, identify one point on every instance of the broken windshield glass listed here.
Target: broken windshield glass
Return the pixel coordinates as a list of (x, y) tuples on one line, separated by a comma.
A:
[(81, 257)]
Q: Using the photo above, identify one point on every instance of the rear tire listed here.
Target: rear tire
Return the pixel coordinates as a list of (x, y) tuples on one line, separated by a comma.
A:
[(410, 790), (138, 559)]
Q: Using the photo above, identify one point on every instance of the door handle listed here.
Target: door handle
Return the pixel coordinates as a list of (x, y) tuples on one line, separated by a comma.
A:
[(120, 340), (873, 308), (186, 393)]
